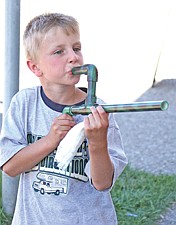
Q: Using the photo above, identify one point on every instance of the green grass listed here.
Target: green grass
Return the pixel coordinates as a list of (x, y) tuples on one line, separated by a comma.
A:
[(139, 197), (4, 219)]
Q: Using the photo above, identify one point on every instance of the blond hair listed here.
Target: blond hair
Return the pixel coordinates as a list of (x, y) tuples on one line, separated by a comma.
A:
[(37, 29)]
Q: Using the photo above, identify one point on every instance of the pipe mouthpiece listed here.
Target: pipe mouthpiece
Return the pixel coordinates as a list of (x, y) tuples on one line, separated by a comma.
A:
[(164, 105)]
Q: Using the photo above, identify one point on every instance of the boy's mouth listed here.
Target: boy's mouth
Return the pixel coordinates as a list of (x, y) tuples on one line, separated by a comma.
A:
[(69, 71)]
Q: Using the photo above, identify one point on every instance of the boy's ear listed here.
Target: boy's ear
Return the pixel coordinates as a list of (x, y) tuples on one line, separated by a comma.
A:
[(34, 68)]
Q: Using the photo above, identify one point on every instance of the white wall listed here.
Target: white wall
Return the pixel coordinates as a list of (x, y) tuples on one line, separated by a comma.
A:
[(122, 38)]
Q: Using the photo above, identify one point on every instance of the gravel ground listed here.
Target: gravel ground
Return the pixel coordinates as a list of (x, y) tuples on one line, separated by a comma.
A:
[(150, 137), (169, 218)]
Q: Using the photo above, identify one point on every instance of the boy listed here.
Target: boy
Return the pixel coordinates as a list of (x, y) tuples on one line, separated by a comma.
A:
[(34, 126)]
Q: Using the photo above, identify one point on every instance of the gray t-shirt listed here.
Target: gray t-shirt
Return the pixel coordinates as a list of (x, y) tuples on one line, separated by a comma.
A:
[(47, 194)]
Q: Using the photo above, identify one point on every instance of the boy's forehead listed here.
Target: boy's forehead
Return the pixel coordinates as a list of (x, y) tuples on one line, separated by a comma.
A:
[(60, 32), (58, 37)]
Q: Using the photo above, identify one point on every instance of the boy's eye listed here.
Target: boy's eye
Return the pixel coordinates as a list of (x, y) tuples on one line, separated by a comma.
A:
[(59, 52), (76, 49)]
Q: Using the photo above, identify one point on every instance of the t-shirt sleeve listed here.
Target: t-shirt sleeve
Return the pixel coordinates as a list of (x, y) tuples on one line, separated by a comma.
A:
[(12, 137)]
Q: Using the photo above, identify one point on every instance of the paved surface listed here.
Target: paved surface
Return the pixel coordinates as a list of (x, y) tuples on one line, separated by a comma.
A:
[(150, 137)]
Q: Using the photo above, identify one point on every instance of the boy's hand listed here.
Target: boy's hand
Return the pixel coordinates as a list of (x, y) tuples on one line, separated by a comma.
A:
[(96, 125), (60, 127)]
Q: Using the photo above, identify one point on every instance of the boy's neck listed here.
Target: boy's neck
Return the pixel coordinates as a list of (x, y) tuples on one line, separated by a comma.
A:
[(68, 96)]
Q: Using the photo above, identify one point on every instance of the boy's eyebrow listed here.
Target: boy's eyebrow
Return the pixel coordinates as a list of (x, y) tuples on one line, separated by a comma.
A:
[(62, 45), (59, 46), (55, 46), (78, 42)]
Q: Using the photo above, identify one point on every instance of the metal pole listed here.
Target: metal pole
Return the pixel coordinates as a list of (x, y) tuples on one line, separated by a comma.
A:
[(118, 108), (11, 86)]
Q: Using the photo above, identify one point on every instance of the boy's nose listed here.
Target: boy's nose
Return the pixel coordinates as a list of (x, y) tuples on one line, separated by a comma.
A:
[(73, 57)]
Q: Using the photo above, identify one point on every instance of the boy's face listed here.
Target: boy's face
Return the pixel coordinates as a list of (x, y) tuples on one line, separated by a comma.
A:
[(57, 55)]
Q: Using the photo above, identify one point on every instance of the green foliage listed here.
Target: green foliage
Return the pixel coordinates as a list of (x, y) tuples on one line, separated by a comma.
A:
[(140, 197), (4, 219)]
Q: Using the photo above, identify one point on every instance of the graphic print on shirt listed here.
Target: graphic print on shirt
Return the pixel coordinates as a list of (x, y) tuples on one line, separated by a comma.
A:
[(49, 183), (50, 178)]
